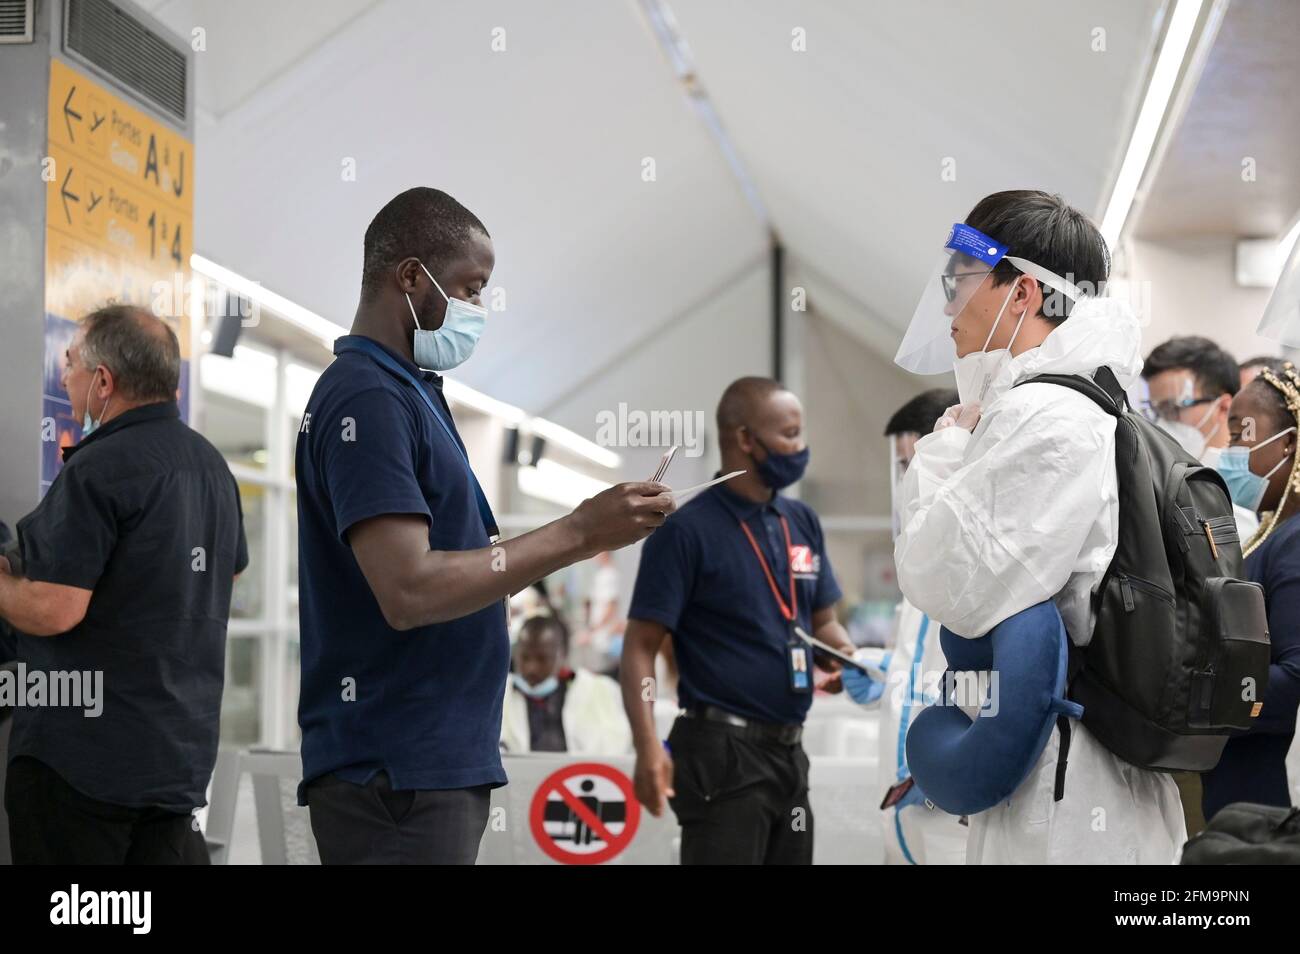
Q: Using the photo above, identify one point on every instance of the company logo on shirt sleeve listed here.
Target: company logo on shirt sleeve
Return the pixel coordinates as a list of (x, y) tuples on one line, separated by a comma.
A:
[(804, 563)]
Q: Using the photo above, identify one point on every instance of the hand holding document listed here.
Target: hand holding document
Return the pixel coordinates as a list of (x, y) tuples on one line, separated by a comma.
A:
[(668, 459), (707, 484)]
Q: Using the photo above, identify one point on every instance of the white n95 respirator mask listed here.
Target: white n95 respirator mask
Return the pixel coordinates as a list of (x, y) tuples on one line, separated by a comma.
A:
[(976, 371)]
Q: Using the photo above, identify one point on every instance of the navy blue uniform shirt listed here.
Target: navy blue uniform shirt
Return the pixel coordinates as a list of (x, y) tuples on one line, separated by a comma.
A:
[(700, 578), (145, 513), (423, 705)]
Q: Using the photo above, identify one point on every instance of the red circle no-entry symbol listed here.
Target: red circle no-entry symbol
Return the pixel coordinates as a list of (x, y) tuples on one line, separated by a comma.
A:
[(584, 814)]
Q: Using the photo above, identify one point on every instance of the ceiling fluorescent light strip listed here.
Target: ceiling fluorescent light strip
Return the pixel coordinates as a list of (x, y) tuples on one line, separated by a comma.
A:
[(1154, 106)]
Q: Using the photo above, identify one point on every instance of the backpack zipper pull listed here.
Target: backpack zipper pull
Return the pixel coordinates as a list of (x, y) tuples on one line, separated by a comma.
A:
[(1209, 535), (1126, 590)]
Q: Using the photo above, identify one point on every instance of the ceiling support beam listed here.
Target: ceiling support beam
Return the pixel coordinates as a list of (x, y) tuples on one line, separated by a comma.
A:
[(778, 307)]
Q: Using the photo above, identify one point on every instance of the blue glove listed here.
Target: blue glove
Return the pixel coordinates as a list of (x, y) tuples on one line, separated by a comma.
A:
[(861, 688), (914, 796)]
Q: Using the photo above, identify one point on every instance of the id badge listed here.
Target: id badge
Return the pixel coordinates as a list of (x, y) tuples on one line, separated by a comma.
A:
[(800, 668)]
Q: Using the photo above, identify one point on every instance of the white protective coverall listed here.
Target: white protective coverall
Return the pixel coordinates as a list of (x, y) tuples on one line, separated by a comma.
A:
[(913, 834), (1024, 509)]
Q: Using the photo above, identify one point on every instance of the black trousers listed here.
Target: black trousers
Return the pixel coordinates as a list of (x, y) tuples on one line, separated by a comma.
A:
[(51, 823), (739, 801), (372, 824)]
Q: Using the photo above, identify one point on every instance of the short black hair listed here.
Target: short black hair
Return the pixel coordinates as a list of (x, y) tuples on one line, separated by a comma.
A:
[(1215, 370), (918, 415), (738, 401), (1044, 229), (139, 348), (534, 627), (423, 222)]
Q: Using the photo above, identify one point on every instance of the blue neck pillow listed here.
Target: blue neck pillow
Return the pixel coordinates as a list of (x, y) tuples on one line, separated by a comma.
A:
[(966, 766)]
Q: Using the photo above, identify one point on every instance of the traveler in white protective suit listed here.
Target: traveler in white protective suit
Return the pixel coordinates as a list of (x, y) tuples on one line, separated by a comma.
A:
[(914, 831), (1013, 498)]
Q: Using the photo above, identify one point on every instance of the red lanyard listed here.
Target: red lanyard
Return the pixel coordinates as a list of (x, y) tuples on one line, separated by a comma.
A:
[(790, 610)]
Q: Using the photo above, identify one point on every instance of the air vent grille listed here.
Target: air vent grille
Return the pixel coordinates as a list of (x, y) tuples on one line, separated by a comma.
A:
[(16, 20), (107, 36)]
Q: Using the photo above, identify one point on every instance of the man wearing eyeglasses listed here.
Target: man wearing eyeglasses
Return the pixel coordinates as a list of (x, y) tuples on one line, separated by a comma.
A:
[(1190, 383), (1013, 500)]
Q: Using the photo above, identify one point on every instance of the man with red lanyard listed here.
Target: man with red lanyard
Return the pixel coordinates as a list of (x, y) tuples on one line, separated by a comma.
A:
[(729, 576)]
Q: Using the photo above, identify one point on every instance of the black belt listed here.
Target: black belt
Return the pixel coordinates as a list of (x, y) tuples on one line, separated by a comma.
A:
[(747, 728)]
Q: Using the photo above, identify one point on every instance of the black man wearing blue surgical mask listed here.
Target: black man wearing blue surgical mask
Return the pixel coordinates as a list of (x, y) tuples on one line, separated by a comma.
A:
[(730, 577), (402, 582)]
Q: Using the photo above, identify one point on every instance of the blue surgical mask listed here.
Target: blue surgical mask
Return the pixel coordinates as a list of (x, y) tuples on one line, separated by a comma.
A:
[(779, 471), (539, 691), (441, 349), (89, 424), (1246, 487)]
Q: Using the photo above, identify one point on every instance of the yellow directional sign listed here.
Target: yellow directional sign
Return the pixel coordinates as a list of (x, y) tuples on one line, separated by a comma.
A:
[(101, 127), (119, 214), (121, 188)]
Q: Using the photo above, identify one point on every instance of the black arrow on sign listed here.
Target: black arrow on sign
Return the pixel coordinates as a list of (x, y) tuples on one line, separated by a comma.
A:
[(70, 114), (94, 201), (97, 120), (66, 195)]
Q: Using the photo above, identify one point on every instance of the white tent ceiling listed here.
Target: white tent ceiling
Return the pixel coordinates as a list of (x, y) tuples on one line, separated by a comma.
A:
[(545, 141), (847, 140)]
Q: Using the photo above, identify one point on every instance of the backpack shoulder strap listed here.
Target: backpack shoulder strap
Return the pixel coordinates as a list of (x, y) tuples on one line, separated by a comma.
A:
[(1103, 390)]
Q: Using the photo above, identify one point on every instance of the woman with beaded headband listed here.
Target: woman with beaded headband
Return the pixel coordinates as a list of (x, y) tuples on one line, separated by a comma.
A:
[(1262, 470)]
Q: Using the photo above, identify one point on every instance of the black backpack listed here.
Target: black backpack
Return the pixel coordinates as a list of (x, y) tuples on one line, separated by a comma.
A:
[(1180, 651), (1247, 834)]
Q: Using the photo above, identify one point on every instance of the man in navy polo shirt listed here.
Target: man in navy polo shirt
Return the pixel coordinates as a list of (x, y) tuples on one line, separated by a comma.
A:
[(404, 644), (729, 577)]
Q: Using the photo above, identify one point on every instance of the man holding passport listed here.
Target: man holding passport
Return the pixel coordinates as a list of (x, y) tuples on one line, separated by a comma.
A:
[(405, 651)]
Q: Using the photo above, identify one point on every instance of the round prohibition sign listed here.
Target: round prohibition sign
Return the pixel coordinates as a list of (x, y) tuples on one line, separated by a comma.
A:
[(584, 814)]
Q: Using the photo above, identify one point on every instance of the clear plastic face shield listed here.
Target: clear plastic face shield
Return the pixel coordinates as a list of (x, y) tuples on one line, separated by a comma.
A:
[(901, 448), (1172, 408), (897, 468), (1281, 321), (964, 267)]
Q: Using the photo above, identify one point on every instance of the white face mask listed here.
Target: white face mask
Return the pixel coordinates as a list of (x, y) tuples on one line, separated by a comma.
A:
[(976, 371), (540, 691), (441, 349), (1190, 436)]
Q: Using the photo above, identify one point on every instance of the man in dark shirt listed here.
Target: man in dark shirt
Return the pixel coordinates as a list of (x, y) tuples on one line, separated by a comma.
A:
[(121, 602), (538, 678), (730, 577), (404, 645), (550, 707)]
